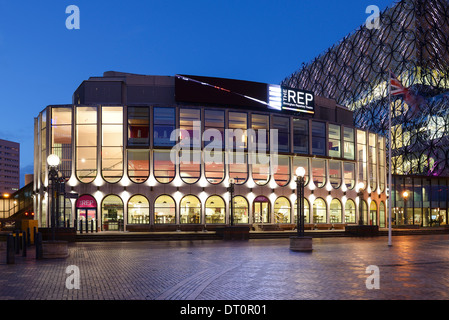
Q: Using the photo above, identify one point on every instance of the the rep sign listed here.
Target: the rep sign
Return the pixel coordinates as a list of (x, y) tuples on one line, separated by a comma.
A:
[(298, 100)]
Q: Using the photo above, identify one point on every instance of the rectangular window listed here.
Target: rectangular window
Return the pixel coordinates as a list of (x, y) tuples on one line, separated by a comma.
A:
[(300, 136), (163, 126), (214, 125), (318, 138), (372, 161), (361, 156), (138, 126), (86, 143), (238, 123), (260, 124), (61, 139), (282, 125), (112, 144), (348, 148), (334, 141), (190, 119)]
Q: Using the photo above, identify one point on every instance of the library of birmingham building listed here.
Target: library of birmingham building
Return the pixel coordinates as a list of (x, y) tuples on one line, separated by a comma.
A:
[(153, 153)]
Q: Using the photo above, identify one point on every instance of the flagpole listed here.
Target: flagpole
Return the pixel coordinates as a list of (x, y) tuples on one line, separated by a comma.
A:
[(390, 191)]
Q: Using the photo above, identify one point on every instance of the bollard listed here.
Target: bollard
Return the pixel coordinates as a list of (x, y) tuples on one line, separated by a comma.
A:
[(17, 242), (81, 226), (10, 252), (91, 226), (24, 244), (28, 237), (38, 242)]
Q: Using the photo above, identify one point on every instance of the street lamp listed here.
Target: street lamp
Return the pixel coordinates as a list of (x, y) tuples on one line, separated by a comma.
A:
[(405, 196), (300, 172), (231, 191), (361, 186), (53, 162)]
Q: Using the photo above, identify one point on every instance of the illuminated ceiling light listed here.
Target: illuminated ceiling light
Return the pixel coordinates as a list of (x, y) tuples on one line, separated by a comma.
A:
[(53, 160)]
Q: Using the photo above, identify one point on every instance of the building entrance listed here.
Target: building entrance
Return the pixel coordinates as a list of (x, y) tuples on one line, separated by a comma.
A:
[(261, 210), (86, 214)]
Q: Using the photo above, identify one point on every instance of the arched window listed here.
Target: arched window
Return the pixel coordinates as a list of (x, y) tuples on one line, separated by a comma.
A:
[(372, 213), (241, 209), (190, 209), (335, 173), (349, 174), (112, 213), (282, 210), (282, 173), (319, 172), (190, 166), (301, 162), (86, 144), (306, 211), (238, 167), (260, 168), (335, 213), (138, 165), (163, 166), (319, 211), (214, 166), (350, 211), (261, 210), (138, 210), (112, 144), (164, 210), (215, 210)]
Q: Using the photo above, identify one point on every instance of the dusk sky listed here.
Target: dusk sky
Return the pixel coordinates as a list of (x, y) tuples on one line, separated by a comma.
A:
[(42, 62)]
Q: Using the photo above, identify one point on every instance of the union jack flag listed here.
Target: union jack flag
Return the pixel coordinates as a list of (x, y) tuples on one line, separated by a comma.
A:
[(396, 86)]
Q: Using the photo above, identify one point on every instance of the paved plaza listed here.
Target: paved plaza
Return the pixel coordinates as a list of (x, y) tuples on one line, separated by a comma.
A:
[(415, 267)]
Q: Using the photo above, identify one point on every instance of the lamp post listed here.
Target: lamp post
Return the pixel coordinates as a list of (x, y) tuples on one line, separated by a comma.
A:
[(231, 191), (53, 162), (361, 186), (405, 196), (300, 172)]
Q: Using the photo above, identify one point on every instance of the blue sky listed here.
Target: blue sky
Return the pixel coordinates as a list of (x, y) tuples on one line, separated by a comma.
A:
[(42, 62)]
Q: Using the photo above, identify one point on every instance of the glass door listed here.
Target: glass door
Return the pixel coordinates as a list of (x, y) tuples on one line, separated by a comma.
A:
[(261, 211), (86, 220)]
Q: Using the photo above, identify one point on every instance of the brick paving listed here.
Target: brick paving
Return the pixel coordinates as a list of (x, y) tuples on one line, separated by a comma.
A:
[(415, 267)]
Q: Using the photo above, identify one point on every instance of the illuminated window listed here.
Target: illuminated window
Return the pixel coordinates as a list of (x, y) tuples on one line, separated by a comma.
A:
[(348, 148), (373, 213), (382, 217), (214, 127), (61, 139), (164, 210), (138, 165), (112, 213), (260, 168), (301, 162), (163, 167), (282, 173), (215, 210), (349, 211), (163, 126), (214, 166), (319, 172), (319, 138), (189, 119), (86, 143), (238, 167), (335, 212), (319, 211), (300, 136), (261, 210), (238, 122), (334, 141), (382, 158), (282, 125), (372, 161), (112, 144), (361, 156), (190, 166), (282, 210), (306, 211), (349, 174), (138, 210), (138, 126), (335, 173), (190, 210), (260, 124), (240, 208)]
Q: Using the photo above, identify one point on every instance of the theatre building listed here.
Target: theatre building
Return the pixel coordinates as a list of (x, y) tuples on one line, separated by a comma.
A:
[(158, 153)]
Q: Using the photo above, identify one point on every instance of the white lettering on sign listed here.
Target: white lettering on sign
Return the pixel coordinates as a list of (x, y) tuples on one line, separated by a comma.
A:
[(86, 203), (298, 100)]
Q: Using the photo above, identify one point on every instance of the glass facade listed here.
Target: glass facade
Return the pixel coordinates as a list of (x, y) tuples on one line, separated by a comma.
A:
[(169, 187)]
